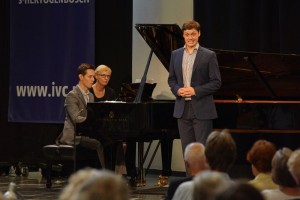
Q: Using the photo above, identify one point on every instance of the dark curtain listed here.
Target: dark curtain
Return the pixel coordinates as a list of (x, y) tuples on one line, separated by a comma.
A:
[(250, 25), (114, 39)]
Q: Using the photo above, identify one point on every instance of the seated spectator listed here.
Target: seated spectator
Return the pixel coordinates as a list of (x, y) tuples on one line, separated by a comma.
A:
[(220, 153), (195, 162), (288, 188), (92, 184), (239, 191), (207, 183), (260, 156), (294, 165)]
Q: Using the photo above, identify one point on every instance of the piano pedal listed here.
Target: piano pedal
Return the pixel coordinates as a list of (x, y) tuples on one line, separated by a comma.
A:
[(162, 181)]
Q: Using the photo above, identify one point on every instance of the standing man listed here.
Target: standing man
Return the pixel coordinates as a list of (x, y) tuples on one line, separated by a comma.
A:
[(194, 77), (76, 111)]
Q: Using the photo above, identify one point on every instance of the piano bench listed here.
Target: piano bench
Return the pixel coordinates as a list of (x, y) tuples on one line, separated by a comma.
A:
[(55, 154), (63, 154)]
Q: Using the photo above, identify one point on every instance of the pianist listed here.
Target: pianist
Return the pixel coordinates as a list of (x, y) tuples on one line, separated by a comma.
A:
[(76, 112), (194, 77)]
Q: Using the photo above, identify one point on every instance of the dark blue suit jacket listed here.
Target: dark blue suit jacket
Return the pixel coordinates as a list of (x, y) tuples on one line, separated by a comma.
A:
[(206, 80)]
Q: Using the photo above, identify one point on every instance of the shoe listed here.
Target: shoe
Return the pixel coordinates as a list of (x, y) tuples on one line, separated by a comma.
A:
[(132, 182), (162, 181)]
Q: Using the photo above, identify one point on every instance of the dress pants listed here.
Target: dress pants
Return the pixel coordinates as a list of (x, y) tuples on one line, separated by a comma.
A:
[(192, 129), (93, 144)]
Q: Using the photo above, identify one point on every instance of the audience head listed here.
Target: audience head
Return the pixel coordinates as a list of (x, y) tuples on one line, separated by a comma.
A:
[(294, 165), (260, 156), (75, 181), (207, 183), (280, 172), (194, 158), (220, 150), (95, 184), (239, 191)]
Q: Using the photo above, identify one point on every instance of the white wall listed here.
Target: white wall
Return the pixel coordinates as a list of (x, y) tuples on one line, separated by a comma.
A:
[(158, 12)]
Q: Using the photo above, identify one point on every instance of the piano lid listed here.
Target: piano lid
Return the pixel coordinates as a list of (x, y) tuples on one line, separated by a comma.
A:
[(254, 75), (250, 75), (163, 39)]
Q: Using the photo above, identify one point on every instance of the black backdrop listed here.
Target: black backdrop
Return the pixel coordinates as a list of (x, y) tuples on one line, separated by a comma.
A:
[(271, 26)]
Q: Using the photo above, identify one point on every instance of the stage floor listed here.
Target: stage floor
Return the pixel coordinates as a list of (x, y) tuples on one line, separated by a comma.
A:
[(33, 187)]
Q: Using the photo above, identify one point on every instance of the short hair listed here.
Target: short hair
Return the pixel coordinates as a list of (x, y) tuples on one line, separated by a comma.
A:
[(194, 152), (75, 181), (207, 183), (83, 67), (280, 172), (294, 165), (103, 68), (239, 191), (84, 184), (191, 25), (261, 154), (220, 150)]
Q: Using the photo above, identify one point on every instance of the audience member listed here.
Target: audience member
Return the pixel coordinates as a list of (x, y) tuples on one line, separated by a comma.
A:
[(288, 188), (194, 159), (239, 191), (220, 152), (95, 185), (75, 181), (207, 183), (260, 156), (294, 165)]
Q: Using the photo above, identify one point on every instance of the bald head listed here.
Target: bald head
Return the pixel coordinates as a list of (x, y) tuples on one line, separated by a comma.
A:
[(194, 158)]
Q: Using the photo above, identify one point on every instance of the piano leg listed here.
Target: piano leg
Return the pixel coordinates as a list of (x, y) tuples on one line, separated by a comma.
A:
[(166, 156), (130, 157), (137, 176), (166, 148), (141, 173)]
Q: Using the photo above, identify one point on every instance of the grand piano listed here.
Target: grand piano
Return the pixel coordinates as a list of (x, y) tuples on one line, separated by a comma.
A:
[(259, 94)]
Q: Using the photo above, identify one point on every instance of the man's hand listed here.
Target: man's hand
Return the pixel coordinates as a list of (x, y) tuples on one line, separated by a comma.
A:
[(186, 92)]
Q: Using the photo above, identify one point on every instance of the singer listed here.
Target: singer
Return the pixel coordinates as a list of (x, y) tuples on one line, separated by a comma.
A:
[(76, 112)]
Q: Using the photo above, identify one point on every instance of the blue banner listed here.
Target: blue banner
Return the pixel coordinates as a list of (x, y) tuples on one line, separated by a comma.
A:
[(48, 41)]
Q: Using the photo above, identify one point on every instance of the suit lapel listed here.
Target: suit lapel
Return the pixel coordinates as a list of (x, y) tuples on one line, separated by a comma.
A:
[(180, 66), (198, 58), (80, 95)]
